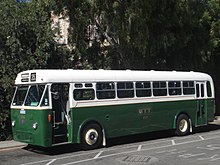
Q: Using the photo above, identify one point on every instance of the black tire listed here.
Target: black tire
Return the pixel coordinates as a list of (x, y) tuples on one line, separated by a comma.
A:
[(182, 125), (91, 137)]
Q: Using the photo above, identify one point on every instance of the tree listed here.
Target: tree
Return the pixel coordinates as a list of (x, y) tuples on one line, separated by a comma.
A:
[(211, 20), (26, 41), (153, 34)]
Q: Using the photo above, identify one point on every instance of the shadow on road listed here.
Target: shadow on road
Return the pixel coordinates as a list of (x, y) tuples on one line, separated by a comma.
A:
[(56, 150), (207, 128), (71, 148)]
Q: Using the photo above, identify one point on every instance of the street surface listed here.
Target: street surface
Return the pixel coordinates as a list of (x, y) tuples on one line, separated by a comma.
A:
[(160, 148)]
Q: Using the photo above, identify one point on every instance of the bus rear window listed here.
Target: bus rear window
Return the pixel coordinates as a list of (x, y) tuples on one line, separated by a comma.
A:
[(209, 90)]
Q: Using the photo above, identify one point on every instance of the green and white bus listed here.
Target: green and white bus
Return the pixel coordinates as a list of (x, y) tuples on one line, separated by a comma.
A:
[(52, 107)]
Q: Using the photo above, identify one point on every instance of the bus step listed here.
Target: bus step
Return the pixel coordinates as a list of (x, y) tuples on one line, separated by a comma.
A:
[(59, 135), (61, 138)]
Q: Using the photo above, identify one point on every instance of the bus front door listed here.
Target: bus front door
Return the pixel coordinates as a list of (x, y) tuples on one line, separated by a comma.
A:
[(201, 114), (59, 93)]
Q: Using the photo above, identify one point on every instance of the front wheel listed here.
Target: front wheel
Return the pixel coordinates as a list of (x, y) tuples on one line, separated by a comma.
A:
[(182, 125), (91, 137)]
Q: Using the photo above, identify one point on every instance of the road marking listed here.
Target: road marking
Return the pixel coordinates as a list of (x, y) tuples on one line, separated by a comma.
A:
[(139, 147), (212, 158), (60, 158), (202, 138), (98, 155), (147, 149), (210, 147), (53, 160), (161, 152), (178, 152), (173, 142), (190, 155), (128, 152), (170, 152)]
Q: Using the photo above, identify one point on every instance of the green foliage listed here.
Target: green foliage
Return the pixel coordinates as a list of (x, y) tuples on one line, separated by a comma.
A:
[(152, 34), (25, 38), (108, 34)]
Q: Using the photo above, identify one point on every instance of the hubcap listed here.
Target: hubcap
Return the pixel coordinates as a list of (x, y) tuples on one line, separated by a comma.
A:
[(183, 126), (91, 136)]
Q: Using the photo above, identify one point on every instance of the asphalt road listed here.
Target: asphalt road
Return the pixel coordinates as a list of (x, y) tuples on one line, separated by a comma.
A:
[(160, 148)]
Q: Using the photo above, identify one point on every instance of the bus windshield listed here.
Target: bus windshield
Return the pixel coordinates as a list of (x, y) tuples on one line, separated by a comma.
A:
[(28, 95)]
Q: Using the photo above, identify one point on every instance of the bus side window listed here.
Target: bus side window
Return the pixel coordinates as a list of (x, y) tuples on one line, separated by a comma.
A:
[(125, 89), (209, 90), (188, 88), (159, 88), (105, 90), (143, 89), (174, 87), (83, 94)]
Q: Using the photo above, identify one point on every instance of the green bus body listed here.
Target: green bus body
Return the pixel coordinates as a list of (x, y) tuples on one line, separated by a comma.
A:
[(24, 132), (118, 120), (38, 118)]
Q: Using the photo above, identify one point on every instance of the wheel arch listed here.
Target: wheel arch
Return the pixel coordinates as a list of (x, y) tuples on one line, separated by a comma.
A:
[(87, 122), (176, 117)]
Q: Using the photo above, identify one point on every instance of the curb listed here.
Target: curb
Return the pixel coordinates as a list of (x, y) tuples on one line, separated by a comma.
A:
[(5, 145), (217, 118)]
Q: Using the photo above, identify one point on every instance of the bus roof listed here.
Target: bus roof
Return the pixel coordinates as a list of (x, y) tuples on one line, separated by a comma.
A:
[(71, 75)]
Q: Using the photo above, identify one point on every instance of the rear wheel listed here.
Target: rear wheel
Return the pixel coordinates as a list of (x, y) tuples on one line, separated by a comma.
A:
[(182, 125), (91, 136)]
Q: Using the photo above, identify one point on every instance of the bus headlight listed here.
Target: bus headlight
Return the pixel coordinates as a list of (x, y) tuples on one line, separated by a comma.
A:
[(34, 126), (13, 123)]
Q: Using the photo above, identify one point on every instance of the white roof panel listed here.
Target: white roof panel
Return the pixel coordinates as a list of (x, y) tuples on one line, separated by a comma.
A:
[(70, 75)]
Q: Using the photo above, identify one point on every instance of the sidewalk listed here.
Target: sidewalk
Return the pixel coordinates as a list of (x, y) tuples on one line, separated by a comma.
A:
[(216, 120), (10, 144), (13, 144)]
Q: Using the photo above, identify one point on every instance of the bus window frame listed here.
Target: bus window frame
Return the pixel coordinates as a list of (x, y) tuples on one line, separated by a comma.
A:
[(46, 85), (112, 90), (84, 86), (125, 89), (37, 87), (15, 92)]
